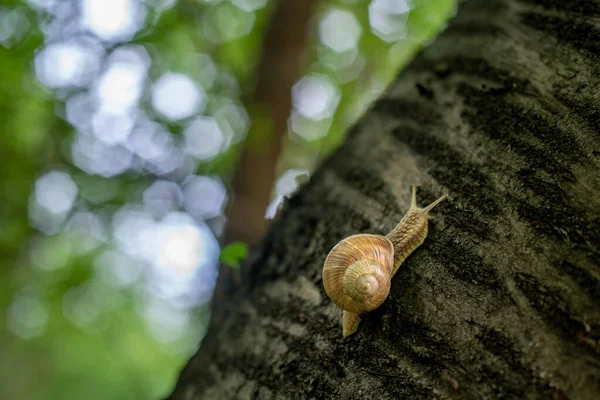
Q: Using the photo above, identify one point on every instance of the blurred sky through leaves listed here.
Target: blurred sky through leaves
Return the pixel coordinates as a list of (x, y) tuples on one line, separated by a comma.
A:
[(121, 124)]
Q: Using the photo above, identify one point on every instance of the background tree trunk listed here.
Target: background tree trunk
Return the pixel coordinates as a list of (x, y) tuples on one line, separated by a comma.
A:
[(503, 299)]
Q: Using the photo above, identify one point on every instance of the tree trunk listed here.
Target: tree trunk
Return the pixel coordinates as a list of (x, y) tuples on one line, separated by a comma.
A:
[(502, 111)]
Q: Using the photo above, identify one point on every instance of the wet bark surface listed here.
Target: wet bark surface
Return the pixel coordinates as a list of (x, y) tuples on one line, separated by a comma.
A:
[(502, 111)]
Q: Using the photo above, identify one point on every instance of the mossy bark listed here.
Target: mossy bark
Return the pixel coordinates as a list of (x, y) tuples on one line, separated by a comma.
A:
[(502, 300)]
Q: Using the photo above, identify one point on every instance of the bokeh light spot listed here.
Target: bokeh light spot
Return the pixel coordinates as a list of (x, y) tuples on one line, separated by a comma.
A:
[(288, 182), (180, 248), (88, 230), (315, 97), (56, 192), (340, 30), (250, 5), (113, 19), (68, 63), (162, 197), (97, 158), (43, 5), (227, 22), (205, 69), (161, 5), (80, 108), (309, 129), (120, 86), (388, 18), (204, 197), (234, 120), (284, 187), (203, 138), (185, 261), (26, 316), (176, 96), (13, 26), (112, 129), (50, 252), (149, 140), (135, 231)]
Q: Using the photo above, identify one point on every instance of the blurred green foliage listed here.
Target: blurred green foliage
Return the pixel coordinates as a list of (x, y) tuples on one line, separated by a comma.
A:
[(110, 353), (233, 254)]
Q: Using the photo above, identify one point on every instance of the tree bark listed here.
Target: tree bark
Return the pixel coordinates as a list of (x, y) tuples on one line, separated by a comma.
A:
[(502, 111)]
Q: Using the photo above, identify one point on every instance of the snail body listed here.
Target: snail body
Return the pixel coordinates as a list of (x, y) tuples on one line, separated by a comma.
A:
[(358, 270)]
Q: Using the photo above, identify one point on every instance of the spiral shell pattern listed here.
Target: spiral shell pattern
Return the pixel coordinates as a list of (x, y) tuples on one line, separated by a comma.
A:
[(357, 272)]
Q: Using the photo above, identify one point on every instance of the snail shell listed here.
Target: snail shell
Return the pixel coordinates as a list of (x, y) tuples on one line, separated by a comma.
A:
[(357, 272)]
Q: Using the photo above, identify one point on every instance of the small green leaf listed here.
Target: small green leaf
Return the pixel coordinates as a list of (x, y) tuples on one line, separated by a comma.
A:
[(233, 254)]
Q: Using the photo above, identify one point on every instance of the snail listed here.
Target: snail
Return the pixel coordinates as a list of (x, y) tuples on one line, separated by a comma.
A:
[(358, 270)]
